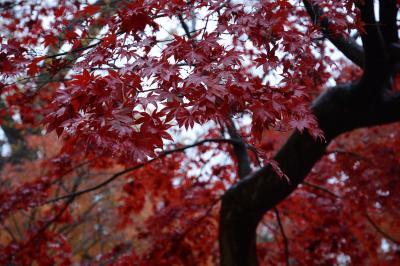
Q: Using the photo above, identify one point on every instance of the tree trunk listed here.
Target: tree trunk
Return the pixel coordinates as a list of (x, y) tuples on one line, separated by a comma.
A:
[(338, 110)]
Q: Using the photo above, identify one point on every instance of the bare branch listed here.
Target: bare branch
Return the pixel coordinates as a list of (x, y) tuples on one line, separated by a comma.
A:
[(380, 231), (321, 189), (46, 225), (184, 26), (285, 239), (77, 50), (127, 170)]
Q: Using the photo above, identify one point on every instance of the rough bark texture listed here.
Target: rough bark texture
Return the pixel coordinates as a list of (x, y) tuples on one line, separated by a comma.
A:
[(338, 110)]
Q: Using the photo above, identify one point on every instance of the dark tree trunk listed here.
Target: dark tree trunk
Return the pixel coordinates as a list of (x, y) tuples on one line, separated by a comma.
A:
[(338, 110)]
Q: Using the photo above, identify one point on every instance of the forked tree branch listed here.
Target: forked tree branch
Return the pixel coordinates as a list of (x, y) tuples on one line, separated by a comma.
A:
[(375, 52), (338, 110), (347, 46)]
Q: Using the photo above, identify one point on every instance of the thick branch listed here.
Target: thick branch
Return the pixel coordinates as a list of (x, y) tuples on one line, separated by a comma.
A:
[(376, 56), (240, 150), (338, 110), (388, 21), (348, 46)]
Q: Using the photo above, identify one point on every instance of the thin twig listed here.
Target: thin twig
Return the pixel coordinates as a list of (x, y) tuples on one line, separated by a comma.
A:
[(351, 154), (380, 231), (322, 189), (285, 239), (130, 169)]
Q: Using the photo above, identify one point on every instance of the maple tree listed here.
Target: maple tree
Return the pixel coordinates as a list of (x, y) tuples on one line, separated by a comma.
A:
[(199, 132)]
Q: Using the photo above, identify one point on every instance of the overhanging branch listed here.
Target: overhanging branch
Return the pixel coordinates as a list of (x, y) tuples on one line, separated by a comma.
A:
[(130, 169)]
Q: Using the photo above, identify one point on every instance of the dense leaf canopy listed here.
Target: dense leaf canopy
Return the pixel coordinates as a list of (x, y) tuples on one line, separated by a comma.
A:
[(181, 132)]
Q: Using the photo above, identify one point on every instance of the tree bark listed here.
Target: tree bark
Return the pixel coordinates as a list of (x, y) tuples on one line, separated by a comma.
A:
[(340, 109)]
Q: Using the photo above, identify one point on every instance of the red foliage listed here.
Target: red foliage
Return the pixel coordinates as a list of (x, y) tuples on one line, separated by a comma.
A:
[(123, 82)]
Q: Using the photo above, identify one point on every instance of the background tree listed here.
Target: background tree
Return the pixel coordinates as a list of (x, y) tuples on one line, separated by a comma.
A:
[(175, 143)]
